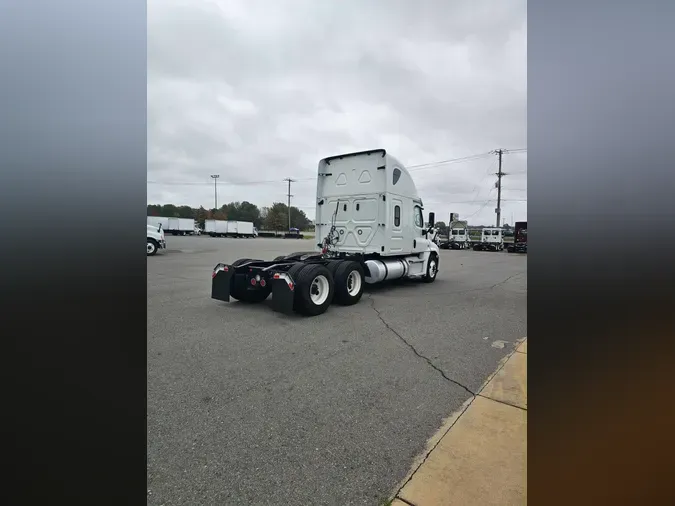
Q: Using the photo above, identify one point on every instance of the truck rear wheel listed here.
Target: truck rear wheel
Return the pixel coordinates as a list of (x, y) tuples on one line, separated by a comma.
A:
[(348, 279), (314, 289)]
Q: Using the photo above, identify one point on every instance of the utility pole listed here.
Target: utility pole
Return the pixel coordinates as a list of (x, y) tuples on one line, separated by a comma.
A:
[(499, 152), (289, 200), (215, 188)]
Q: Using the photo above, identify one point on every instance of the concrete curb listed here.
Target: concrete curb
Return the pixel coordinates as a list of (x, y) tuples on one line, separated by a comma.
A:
[(486, 434)]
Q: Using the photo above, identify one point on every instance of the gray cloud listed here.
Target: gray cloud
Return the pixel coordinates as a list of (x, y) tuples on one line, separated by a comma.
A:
[(261, 90)]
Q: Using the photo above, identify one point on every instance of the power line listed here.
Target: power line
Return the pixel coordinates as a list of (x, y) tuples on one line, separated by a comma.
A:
[(411, 168), (482, 203), (433, 165)]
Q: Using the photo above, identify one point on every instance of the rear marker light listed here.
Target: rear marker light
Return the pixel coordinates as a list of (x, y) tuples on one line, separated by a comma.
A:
[(262, 283), (253, 281)]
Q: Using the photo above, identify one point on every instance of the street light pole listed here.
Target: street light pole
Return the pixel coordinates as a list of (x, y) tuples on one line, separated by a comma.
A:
[(215, 188)]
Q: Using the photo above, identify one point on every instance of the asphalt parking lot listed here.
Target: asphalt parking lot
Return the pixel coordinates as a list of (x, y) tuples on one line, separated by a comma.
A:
[(248, 406)]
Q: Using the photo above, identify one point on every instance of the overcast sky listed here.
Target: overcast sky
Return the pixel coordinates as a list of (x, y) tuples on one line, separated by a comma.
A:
[(260, 90)]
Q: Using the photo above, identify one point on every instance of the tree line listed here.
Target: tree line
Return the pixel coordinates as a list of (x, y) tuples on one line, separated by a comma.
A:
[(274, 218)]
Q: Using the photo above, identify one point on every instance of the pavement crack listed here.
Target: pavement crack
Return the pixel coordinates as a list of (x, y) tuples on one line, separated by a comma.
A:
[(414, 350), (505, 280)]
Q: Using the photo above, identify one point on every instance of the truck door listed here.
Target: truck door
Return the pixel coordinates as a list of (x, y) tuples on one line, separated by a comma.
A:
[(396, 225), (419, 244)]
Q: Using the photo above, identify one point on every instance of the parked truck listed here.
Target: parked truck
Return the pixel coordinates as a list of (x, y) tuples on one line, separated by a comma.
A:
[(519, 238), (173, 226), (491, 239), (156, 239), (459, 235), (371, 229), (157, 221), (230, 228)]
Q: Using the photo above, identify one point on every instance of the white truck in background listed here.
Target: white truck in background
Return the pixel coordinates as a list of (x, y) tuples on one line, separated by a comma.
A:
[(157, 221), (371, 229), (459, 235), (174, 226), (491, 239), (230, 228), (181, 226)]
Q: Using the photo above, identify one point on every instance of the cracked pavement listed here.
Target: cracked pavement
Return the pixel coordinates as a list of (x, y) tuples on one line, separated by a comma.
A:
[(247, 406)]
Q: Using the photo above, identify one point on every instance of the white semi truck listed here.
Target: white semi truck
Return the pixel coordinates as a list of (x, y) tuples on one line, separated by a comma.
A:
[(491, 239), (459, 235), (225, 228), (371, 229)]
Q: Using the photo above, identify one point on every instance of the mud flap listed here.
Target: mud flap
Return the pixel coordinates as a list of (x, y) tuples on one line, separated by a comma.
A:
[(282, 297), (220, 284)]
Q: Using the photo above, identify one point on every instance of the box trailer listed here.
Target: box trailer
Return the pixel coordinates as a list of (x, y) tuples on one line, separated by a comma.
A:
[(369, 221), (245, 229), (216, 228), (181, 226), (157, 221)]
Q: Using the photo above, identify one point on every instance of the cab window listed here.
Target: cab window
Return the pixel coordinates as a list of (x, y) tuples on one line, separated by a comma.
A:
[(495, 232)]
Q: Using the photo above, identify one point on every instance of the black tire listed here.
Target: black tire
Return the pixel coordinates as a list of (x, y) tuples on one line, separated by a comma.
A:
[(307, 279), (432, 269), (152, 247), (342, 273)]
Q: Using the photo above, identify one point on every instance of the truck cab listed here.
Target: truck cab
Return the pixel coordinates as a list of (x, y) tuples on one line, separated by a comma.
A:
[(367, 203), (519, 238), (492, 239), (459, 236), (156, 240)]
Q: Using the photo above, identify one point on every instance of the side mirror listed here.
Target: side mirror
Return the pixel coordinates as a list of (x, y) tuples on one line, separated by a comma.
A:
[(432, 220)]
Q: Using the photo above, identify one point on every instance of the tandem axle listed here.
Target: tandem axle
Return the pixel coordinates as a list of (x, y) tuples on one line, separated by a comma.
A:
[(308, 283)]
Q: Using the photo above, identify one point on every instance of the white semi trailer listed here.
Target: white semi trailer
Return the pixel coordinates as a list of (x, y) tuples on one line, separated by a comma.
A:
[(371, 228)]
